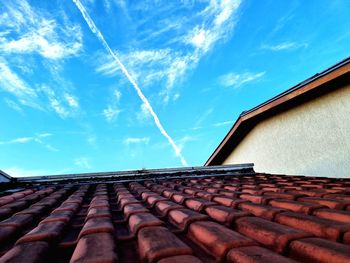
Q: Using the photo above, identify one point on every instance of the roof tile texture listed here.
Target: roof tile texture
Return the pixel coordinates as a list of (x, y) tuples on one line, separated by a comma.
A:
[(241, 218)]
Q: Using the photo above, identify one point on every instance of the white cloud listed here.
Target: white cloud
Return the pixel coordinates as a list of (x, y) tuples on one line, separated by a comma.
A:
[(72, 101), (226, 9), (198, 38), (32, 30), (13, 105), (284, 46), (223, 123), (136, 140), (51, 148), (111, 113), (65, 105), (83, 162), (218, 22), (117, 95), (44, 135), (12, 83), (176, 96), (37, 138), (184, 140), (202, 118), (19, 140), (236, 80), (182, 40), (60, 110), (143, 114), (91, 139), (28, 32)]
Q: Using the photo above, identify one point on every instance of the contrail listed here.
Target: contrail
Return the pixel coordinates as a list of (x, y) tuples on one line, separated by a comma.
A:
[(99, 35)]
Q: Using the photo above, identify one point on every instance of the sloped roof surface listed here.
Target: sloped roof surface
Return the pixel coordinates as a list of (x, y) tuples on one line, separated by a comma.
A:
[(223, 218)]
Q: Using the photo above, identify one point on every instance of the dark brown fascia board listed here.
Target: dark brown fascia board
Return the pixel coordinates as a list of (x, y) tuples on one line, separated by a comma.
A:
[(255, 114)]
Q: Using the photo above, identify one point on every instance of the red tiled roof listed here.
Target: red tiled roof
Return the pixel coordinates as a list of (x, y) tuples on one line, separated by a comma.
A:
[(215, 218)]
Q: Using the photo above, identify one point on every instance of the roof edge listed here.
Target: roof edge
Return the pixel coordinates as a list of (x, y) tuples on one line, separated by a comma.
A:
[(299, 90), (138, 174), (4, 177)]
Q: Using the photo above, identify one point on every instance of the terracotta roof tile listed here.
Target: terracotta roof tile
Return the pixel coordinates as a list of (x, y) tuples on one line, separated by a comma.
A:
[(50, 231), (182, 218), (182, 259), (32, 252), (139, 221), (164, 207), (97, 225), (295, 206), (216, 239), (320, 227), (263, 211), (17, 220), (332, 214), (95, 248), (319, 250), (255, 255), (156, 243), (269, 234), (224, 215)]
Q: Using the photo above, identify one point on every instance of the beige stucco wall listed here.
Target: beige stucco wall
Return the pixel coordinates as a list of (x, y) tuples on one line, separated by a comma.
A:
[(310, 139)]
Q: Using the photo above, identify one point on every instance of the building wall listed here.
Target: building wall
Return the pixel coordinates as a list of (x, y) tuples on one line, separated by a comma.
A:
[(310, 139)]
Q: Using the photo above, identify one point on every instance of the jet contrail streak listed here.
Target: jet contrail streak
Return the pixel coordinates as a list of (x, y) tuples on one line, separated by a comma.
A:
[(99, 35)]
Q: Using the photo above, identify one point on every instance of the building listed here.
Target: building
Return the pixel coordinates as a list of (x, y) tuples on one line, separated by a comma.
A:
[(188, 215), (304, 130)]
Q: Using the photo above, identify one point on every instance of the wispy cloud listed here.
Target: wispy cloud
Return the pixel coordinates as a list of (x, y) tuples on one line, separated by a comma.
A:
[(18, 140), (113, 109), (71, 100), (185, 139), (82, 162), (202, 118), (15, 85), (38, 138), (28, 30), (143, 98), (42, 98), (35, 37), (111, 113), (65, 105), (284, 46), (180, 39), (223, 123), (13, 105), (143, 114), (91, 139), (235, 80), (136, 140)]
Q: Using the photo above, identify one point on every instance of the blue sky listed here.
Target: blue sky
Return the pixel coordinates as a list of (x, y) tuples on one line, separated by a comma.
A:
[(103, 85)]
